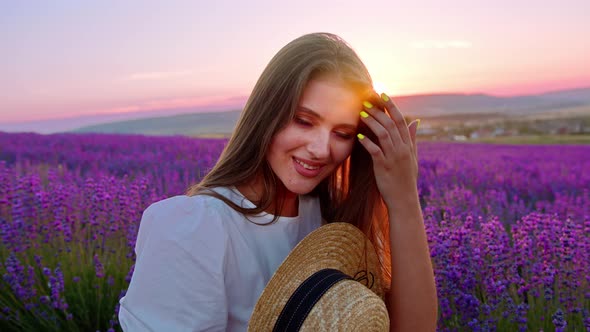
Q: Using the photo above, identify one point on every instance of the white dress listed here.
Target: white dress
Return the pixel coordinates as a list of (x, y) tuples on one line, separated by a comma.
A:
[(201, 266)]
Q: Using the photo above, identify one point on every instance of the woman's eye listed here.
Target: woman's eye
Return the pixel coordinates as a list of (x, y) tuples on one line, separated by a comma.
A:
[(345, 135), (302, 122)]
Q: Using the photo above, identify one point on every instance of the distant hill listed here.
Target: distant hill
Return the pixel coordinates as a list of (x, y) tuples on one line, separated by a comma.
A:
[(447, 104), (580, 95), (196, 124), (416, 106)]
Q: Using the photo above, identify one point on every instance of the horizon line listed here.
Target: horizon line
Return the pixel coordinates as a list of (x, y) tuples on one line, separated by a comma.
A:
[(215, 107)]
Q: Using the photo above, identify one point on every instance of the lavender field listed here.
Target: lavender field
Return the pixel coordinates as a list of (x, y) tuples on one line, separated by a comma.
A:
[(508, 228)]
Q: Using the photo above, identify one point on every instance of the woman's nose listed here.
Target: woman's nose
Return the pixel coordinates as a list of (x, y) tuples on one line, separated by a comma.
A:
[(319, 145)]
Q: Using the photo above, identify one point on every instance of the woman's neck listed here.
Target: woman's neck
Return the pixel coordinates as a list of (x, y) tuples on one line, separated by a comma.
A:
[(291, 204), (290, 208)]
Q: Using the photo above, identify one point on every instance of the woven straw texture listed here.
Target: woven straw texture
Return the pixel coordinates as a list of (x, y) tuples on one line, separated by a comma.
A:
[(348, 305)]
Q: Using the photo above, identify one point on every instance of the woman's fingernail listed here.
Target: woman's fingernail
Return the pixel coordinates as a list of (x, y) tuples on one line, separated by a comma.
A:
[(360, 136), (364, 114), (367, 104), (417, 123), (384, 97)]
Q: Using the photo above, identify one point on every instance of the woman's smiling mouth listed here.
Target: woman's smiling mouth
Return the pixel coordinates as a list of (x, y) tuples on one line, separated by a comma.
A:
[(307, 168)]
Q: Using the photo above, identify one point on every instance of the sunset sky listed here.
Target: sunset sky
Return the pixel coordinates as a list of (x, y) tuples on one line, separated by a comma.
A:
[(72, 58)]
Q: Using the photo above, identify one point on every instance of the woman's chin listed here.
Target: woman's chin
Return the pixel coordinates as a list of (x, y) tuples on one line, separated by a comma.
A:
[(302, 189)]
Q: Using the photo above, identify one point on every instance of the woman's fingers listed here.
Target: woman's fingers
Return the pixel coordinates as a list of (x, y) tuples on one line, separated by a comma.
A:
[(382, 132), (373, 149), (413, 130), (397, 116), (383, 121), (386, 122)]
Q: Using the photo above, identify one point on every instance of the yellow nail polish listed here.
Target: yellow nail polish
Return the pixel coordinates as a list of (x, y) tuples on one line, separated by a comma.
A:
[(360, 136), (364, 114), (417, 123), (367, 104), (385, 97)]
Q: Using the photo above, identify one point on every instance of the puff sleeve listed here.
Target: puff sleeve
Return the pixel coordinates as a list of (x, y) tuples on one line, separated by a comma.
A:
[(178, 281)]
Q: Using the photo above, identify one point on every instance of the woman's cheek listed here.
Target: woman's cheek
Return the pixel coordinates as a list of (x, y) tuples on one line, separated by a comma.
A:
[(343, 151)]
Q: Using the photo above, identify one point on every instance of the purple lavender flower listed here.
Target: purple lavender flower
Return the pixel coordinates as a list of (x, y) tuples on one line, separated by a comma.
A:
[(559, 321), (507, 226), (99, 269)]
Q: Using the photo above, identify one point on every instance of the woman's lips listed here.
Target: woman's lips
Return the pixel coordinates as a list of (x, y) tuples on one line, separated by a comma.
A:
[(305, 171)]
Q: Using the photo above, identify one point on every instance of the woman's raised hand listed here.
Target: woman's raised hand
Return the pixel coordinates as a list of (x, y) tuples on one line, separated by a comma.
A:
[(395, 158)]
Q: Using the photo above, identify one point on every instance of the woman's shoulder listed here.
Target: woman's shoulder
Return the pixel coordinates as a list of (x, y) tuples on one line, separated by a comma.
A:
[(183, 222), (184, 204), (185, 211)]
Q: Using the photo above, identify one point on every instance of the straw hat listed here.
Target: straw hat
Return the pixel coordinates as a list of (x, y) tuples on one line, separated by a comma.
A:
[(335, 263)]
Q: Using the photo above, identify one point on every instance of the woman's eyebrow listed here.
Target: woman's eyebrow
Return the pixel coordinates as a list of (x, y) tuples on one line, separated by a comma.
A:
[(307, 110)]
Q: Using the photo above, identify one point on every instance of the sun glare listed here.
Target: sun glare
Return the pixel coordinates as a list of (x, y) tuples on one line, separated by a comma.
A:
[(381, 87)]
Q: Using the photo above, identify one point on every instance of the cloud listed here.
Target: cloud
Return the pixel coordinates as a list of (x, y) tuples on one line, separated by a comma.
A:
[(156, 75), (441, 44)]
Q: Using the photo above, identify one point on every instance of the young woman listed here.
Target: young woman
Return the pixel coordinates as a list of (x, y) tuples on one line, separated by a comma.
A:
[(294, 161)]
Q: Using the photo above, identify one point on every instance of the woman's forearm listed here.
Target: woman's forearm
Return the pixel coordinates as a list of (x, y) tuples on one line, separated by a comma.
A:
[(413, 301)]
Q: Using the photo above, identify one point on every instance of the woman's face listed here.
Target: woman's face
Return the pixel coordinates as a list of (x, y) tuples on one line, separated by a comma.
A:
[(319, 138)]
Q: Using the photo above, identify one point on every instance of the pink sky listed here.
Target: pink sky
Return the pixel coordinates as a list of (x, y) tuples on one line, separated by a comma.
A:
[(64, 59)]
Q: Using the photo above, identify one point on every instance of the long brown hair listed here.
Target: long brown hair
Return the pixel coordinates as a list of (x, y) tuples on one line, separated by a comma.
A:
[(350, 194)]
